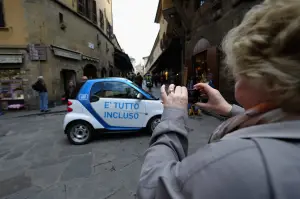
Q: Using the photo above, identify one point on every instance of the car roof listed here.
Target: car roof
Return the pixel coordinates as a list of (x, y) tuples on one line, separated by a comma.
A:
[(107, 79)]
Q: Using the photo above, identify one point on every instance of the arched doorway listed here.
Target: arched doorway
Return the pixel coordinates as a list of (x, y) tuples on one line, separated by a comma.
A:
[(103, 72), (90, 71), (200, 65), (111, 73)]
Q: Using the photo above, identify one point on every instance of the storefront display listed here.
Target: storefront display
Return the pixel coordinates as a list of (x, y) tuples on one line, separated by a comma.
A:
[(11, 89), (200, 67)]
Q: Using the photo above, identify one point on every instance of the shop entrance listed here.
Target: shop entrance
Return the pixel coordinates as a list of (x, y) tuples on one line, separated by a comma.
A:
[(103, 72), (11, 89), (111, 73), (66, 76), (90, 71), (205, 64)]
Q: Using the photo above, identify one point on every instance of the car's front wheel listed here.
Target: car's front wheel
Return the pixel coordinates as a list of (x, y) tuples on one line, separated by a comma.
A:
[(153, 123), (79, 133)]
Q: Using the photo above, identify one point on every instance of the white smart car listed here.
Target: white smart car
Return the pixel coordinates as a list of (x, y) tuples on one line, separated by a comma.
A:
[(110, 104)]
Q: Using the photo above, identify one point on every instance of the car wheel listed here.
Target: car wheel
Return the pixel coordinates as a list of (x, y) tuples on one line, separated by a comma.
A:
[(79, 133), (153, 123)]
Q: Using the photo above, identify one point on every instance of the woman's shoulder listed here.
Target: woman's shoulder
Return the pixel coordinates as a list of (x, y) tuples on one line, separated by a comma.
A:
[(226, 168)]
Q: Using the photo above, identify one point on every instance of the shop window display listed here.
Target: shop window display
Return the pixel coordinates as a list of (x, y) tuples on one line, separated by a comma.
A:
[(11, 89), (200, 67)]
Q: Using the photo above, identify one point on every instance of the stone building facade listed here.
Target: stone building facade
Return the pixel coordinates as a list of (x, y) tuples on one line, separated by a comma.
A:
[(200, 25), (60, 40)]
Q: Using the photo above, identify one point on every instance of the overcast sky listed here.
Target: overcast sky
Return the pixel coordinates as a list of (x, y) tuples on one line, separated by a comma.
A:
[(134, 26)]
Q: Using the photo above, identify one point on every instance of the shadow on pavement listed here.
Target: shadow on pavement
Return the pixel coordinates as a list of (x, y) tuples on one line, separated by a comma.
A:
[(112, 136)]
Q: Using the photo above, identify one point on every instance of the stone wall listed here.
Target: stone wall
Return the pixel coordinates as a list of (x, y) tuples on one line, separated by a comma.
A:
[(203, 25), (44, 27)]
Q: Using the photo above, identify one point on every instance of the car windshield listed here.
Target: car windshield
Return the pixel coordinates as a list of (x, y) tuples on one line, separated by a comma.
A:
[(152, 96)]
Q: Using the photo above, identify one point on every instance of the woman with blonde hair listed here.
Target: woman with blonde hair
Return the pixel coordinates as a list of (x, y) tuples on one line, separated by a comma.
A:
[(255, 153)]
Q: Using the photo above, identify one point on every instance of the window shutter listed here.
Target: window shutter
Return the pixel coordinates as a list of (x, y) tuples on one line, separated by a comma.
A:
[(2, 20), (88, 8), (107, 27), (101, 19), (94, 12), (80, 6)]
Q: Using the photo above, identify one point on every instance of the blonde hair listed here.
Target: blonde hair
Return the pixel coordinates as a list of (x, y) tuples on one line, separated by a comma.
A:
[(265, 47)]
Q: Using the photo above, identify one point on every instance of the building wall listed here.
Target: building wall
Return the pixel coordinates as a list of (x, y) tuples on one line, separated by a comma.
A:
[(37, 22), (203, 25), (107, 6), (156, 49), (15, 32), (46, 29), (70, 3)]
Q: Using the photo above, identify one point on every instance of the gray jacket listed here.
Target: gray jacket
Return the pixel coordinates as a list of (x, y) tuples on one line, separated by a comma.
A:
[(232, 168)]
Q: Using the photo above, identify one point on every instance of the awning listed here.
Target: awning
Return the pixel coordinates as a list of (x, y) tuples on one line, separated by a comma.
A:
[(122, 61), (66, 53), (167, 57)]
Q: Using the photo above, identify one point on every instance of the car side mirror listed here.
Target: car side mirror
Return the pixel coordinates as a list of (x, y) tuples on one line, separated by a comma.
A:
[(139, 96), (94, 98)]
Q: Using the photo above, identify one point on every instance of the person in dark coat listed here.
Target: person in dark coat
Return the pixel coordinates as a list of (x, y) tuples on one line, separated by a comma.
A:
[(139, 80), (69, 91), (41, 88), (78, 87)]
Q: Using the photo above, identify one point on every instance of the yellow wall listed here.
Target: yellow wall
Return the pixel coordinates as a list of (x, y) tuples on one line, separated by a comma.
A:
[(70, 3), (107, 4), (15, 32)]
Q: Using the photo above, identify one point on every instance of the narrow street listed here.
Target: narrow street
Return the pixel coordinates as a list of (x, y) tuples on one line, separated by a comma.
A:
[(37, 162)]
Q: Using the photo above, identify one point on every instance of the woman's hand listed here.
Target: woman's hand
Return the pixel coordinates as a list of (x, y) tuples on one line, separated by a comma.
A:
[(216, 102), (176, 98)]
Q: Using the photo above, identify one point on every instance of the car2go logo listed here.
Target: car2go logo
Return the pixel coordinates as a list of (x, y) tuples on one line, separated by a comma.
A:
[(130, 108), (83, 97)]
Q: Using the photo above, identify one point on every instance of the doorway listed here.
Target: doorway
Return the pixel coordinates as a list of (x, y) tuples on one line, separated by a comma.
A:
[(66, 76), (111, 73), (103, 72), (90, 71)]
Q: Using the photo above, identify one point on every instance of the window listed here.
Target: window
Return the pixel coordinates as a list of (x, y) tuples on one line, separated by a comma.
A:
[(94, 12), (101, 16), (81, 6), (85, 7), (107, 27), (113, 90), (2, 21), (61, 18)]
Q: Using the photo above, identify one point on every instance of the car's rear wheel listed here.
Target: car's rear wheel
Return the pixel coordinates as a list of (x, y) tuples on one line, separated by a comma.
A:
[(153, 123), (79, 133)]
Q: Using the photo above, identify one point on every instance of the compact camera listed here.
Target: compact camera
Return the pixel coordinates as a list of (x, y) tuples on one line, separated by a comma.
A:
[(193, 96)]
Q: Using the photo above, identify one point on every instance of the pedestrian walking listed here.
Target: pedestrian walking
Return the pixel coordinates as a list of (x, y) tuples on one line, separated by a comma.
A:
[(139, 80), (255, 153), (156, 79), (41, 88), (149, 81)]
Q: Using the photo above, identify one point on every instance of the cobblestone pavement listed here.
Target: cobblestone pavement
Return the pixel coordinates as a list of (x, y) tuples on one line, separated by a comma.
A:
[(37, 162)]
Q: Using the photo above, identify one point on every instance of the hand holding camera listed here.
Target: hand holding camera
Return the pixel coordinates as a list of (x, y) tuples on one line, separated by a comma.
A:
[(215, 101), (179, 97)]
